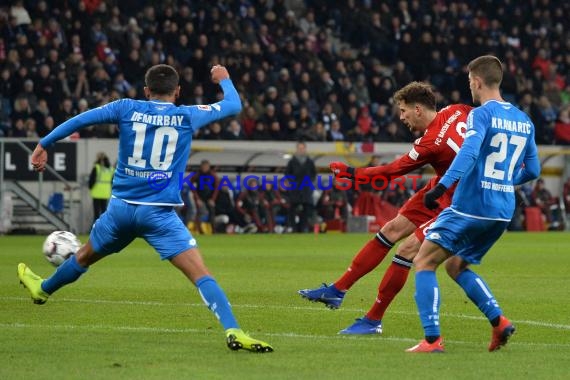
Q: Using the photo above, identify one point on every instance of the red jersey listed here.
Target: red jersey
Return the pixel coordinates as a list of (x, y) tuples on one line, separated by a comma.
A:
[(438, 146)]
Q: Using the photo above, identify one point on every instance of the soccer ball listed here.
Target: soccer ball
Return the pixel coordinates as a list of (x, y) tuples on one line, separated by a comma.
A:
[(59, 246)]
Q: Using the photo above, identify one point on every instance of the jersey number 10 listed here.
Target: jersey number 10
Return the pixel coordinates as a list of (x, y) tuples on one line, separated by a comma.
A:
[(501, 141), (160, 134)]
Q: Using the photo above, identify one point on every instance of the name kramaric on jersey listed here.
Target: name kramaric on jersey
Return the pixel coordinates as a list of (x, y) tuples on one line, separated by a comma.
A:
[(511, 125), (163, 120)]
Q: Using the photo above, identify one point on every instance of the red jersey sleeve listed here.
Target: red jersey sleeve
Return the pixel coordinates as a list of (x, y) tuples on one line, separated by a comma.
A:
[(437, 147), (421, 154)]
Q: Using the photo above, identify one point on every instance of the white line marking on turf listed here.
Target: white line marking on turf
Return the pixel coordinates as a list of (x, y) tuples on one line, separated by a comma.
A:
[(146, 329), (556, 326)]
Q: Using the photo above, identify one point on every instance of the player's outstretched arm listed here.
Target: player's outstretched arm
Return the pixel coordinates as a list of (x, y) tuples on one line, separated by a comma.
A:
[(231, 104), (398, 167), (104, 114)]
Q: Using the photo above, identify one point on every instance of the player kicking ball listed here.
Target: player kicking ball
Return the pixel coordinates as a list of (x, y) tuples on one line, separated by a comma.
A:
[(498, 153), (154, 143), (442, 135)]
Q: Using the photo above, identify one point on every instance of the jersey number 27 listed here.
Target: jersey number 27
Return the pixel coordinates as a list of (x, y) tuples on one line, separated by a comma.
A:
[(501, 140)]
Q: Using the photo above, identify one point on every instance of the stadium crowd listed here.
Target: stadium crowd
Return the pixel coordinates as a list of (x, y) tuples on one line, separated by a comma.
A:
[(312, 70)]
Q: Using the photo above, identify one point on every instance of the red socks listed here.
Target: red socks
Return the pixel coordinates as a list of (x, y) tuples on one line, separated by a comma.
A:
[(393, 281), (367, 259)]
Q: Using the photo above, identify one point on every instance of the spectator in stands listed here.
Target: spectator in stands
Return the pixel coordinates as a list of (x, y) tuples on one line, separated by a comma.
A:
[(365, 121), (227, 219), (392, 133), (100, 184), (316, 133), (20, 14), (19, 129), (349, 120), (542, 198), (382, 116), (187, 212), (335, 134), (333, 204), (304, 120), (234, 131), (374, 134), (30, 128), (46, 127), (260, 132), (248, 120), (274, 206), (249, 205), (65, 112), (562, 127), (29, 93), (206, 183), (275, 132), (296, 50), (355, 134), (328, 116), (213, 132), (521, 203), (22, 110), (302, 172)]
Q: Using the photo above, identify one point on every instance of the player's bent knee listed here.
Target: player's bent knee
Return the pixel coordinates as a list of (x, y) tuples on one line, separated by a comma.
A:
[(390, 230), (397, 228), (430, 256), (454, 266), (190, 263), (407, 251), (420, 262), (86, 256)]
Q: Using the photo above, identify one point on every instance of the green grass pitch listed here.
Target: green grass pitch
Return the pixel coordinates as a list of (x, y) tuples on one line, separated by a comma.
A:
[(134, 317)]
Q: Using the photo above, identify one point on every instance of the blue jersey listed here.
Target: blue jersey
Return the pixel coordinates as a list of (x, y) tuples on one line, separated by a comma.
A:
[(154, 142), (498, 141)]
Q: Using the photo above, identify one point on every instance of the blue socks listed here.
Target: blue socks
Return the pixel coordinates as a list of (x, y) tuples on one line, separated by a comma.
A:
[(65, 274), (428, 300), (478, 292), (216, 300)]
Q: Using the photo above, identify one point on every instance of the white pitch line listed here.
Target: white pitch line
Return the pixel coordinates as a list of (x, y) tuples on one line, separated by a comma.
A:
[(146, 329), (556, 326)]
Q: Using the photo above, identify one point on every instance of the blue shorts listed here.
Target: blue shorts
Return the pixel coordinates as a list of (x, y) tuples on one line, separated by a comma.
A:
[(158, 225), (467, 237)]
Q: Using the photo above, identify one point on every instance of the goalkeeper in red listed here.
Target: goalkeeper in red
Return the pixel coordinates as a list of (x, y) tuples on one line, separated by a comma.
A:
[(443, 134)]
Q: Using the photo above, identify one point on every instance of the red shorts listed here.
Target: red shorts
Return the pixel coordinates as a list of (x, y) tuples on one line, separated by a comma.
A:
[(422, 231), (414, 209)]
